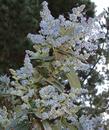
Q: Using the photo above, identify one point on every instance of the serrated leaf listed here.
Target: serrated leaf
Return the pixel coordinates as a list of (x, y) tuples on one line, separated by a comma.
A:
[(73, 79)]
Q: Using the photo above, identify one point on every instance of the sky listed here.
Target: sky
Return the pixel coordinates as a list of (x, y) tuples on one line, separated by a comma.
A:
[(101, 4)]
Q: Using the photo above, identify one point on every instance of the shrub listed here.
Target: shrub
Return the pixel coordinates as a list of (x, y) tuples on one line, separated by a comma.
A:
[(46, 93)]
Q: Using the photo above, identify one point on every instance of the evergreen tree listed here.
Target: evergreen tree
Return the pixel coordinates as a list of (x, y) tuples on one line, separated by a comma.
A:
[(17, 18), (65, 6)]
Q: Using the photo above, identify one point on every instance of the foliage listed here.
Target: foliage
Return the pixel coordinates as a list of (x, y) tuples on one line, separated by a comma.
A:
[(65, 6), (17, 18), (98, 101), (48, 94)]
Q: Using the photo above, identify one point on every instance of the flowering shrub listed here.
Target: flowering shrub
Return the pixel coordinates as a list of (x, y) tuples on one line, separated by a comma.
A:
[(44, 94)]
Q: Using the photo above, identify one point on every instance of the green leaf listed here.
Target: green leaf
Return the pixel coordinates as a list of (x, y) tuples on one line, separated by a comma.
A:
[(46, 125), (73, 79), (58, 85), (37, 114)]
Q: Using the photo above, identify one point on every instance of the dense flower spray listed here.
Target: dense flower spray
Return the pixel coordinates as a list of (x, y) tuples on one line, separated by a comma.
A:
[(46, 94)]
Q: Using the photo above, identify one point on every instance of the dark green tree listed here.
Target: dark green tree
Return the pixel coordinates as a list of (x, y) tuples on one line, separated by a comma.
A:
[(17, 19), (64, 6)]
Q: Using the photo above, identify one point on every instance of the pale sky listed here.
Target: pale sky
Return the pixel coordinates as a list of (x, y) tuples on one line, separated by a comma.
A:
[(101, 4)]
